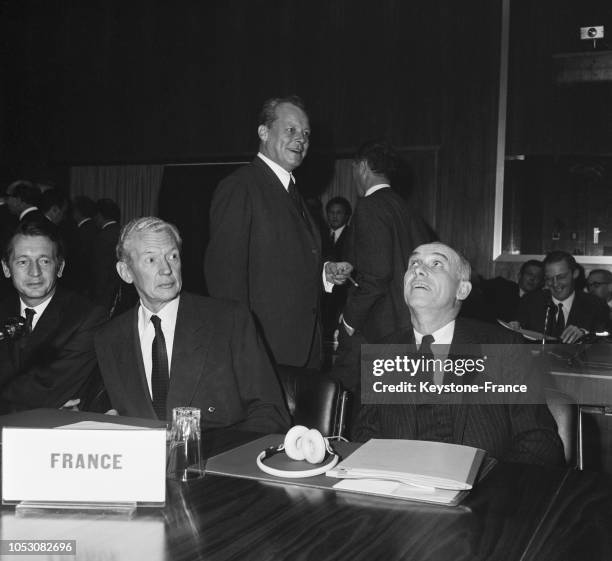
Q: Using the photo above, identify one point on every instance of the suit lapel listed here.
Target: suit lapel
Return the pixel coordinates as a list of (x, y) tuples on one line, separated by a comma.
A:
[(462, 337), (311, 227), (128, 356), (192, 339)]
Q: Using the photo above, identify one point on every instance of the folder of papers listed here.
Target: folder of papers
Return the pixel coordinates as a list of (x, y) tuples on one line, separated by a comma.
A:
[(411, 469)]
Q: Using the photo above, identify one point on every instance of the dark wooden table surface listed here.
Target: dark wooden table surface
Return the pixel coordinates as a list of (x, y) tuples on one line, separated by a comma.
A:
[(517, 512)]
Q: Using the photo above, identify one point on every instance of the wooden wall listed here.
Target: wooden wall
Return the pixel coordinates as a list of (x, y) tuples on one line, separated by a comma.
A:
[(153, 82)]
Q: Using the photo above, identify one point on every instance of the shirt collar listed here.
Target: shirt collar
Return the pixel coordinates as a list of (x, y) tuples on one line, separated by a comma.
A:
[(27, 211), (375, 188), (167, 314), (338, 231), (283, 175), (442, 336), (108, 223), (567, 303), (83, 222), (38, 309)]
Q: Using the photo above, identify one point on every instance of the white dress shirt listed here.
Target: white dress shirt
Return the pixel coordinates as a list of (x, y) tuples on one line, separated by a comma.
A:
[(567, 305), (283, 175), (375, 188), (146, 333), (38, 310)]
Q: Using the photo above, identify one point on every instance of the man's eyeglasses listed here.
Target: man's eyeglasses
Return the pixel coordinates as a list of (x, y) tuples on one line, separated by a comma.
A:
[(595, 284)]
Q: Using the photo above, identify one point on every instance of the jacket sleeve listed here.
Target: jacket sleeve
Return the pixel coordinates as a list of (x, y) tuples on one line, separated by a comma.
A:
[(226, 265), (256, 380), (59, 373), (372, 245)]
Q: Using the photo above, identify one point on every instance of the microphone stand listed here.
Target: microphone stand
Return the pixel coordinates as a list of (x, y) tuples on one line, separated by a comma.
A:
[(548, 305)]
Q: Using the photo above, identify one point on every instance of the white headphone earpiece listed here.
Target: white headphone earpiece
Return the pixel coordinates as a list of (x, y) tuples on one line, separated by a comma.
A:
[(301, 443)]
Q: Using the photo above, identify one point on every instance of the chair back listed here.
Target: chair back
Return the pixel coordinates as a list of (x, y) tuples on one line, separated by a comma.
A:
[(314, 399), (564, 409)]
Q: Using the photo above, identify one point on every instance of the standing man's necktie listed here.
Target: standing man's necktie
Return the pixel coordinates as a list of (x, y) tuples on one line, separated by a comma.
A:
[(29, 314), (297, 201), (559, 321), (332, 238), (159, 372)]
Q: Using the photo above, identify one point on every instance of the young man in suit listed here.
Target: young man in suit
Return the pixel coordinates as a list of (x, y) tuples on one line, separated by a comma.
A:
[(265, 248), (338, 211), (178, 349), (568, 314), (54, 361), (435, 285)]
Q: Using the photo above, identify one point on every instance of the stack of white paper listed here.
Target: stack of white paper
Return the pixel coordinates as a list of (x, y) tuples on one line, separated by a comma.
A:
[(416, 469)]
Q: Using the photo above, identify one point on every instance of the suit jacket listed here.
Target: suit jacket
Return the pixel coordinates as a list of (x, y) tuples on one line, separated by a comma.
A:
[(105, 279), (384, 232), (8, 222), (84, 253), (502, 297), (513, 432), (218, 364), (588, 312), (56, 361), (266, 255)]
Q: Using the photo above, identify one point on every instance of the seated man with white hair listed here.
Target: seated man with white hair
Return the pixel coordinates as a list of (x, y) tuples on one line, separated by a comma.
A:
[(435, 285), (179, 349)]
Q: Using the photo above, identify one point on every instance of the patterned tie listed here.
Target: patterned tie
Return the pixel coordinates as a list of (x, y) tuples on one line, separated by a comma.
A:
[(159, 370), (559, 321), (29, 314)]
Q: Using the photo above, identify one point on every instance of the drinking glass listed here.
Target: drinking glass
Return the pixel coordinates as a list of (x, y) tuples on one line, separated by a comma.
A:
[(184, 452)]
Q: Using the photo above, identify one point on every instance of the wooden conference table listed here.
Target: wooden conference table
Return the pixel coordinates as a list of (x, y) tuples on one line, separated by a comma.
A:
[(518, 512)]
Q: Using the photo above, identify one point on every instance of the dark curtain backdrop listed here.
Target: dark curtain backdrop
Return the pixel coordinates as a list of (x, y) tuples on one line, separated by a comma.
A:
[(121, 83), (184, 200)]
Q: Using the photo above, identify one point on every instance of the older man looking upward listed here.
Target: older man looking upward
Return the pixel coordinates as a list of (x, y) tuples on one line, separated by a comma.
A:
[(178, 349), (435, 285)]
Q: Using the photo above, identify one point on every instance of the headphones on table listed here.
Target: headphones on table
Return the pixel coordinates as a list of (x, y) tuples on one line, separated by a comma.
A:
[(300, 443)]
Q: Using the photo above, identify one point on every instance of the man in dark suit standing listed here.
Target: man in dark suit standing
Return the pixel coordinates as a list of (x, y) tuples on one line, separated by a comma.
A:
[(178, 349), (384, 231), (106, 283), (24, 201), (83, 212), (265, 248), (436, 283), (567, 313), (54, 361)]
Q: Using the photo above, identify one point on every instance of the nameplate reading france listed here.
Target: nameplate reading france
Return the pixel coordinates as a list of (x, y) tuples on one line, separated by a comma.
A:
[(84, 465)]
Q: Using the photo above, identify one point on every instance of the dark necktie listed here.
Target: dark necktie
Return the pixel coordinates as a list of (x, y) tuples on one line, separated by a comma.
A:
[(159, 370), (297, 201), (425, 348), (559, 321), (29, 314), (332, 238)]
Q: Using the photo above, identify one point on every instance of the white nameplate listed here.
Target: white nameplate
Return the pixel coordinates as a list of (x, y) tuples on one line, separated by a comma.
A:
[(83, 465)]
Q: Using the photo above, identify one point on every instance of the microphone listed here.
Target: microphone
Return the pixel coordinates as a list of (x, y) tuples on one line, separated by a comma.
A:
[(12, 328), (549, 306)]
